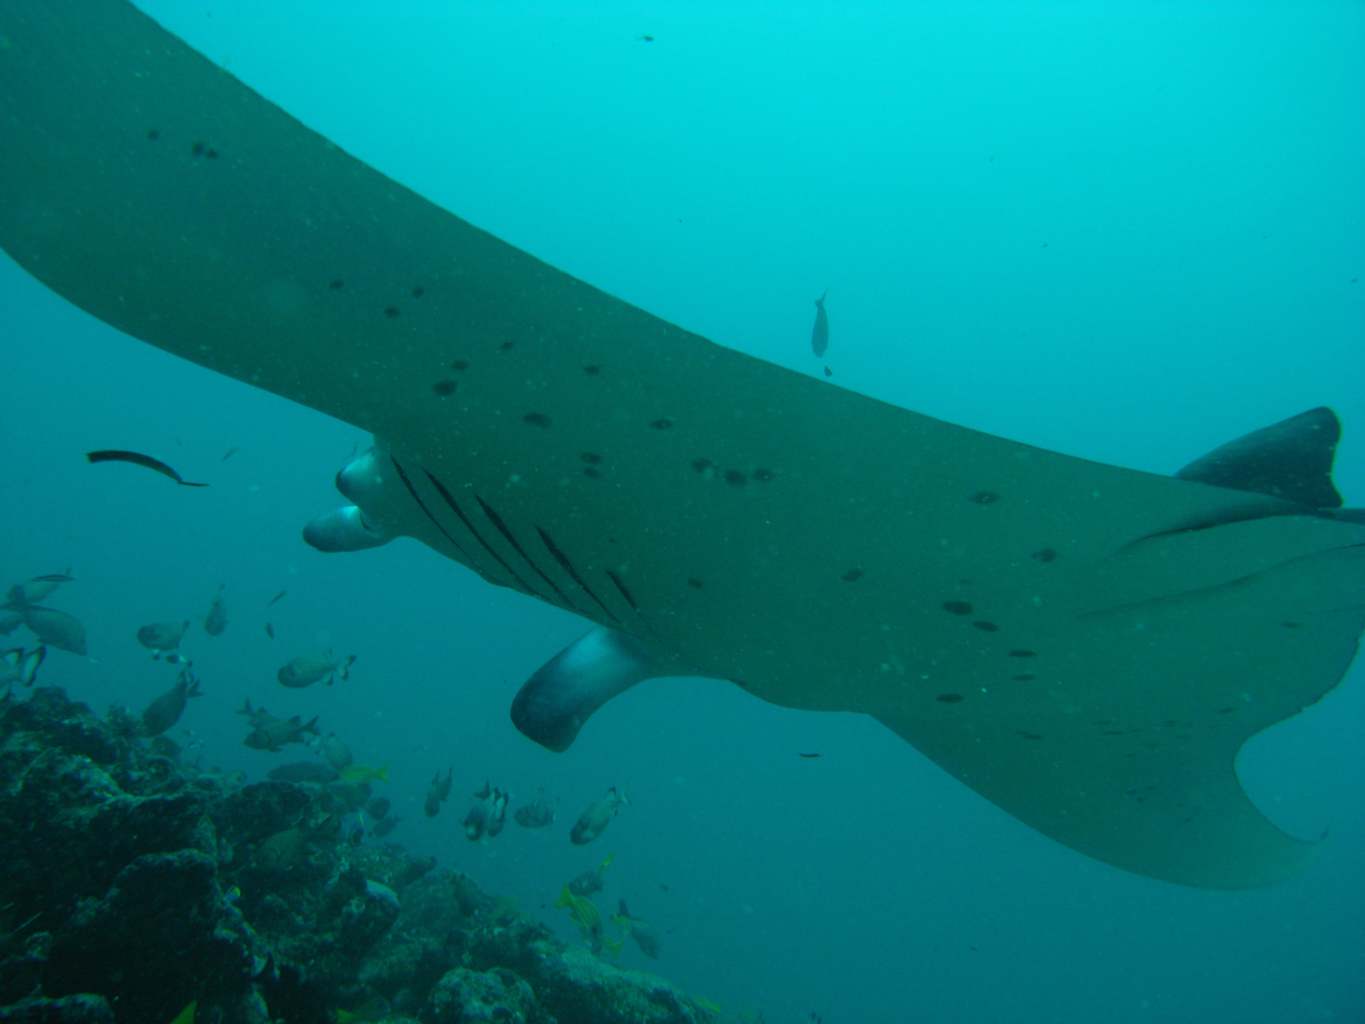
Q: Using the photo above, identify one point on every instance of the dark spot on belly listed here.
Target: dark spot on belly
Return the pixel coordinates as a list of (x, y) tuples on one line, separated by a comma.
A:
[(957, 607), (694, 583), (536, 419), (153, 135), (985, 497), (591, 458), (735, 478), (1024, 677), (1029, 735), (592, 369), (592, 471), (1044, 555), (390, 311), (418, 292), (444, 388), (986, 627), (949, 698), (459, 365), (1021, 653), (336, 284), (506, 346), (852, 576), (197, 149), (663, 423)]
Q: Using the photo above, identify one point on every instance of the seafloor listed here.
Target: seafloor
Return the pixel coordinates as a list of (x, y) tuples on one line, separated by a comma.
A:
[(132, 885)]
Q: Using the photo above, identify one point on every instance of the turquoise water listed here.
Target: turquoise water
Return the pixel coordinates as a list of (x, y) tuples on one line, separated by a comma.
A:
[(1128, 232)]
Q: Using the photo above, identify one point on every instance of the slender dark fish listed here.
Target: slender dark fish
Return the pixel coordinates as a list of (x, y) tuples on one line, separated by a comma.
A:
[(54, 577), (810, 756), (270, 631), (138, 459), (228, 454), (819, 334), (276, 598)]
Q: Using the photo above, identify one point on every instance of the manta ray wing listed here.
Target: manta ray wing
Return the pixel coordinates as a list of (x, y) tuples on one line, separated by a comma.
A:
[(1029, 620)]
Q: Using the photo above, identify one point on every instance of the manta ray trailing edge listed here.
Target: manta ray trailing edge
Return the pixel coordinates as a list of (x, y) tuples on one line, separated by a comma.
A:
[(1086, 646)]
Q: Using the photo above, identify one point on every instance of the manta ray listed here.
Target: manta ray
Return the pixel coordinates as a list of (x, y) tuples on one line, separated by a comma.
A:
[(1086, 646)]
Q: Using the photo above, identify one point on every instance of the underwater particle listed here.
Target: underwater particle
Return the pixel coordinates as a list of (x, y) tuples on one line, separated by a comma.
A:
[(646, 39), (1020, 652), (507, 346), (390, 311), (949, 698), (984, 498), (153, 134), (591, 458), (763, 476), (735, 478), (852, 576), (592, 369), (1292, 625), (957, 607), (592, 471), (536, 419), (986, 627), (703, 465), (694, 583), (1044, 555), (1226, 711), (1024, 677), (197, 149), (662, 423), (1029, 735), (459, 365), (210, 154), (336, 284), (418, 291), (444, 388)]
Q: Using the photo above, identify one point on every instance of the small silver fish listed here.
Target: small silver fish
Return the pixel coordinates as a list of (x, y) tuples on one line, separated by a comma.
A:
[(271, 733), (335, 752), (56, 629), (536, 814), (307, 669), (216, 619), (819, 333), (591, 881), (437, 794), (165, 711), (162, 637), (488, 814), (18, 665), (595, 819)]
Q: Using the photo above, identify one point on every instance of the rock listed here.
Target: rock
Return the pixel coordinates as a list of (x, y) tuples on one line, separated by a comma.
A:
[(578, 988), (81, 1009), (162, 936), (463, 996)]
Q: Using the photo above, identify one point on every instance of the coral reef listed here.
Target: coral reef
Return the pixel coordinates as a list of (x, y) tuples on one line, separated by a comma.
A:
[(134, 884)]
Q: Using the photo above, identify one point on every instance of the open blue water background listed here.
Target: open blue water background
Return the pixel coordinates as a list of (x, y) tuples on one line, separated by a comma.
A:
[(1128, 231)]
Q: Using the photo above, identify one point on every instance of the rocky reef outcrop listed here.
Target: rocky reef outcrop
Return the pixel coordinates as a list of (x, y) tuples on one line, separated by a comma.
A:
[(134, 884)]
